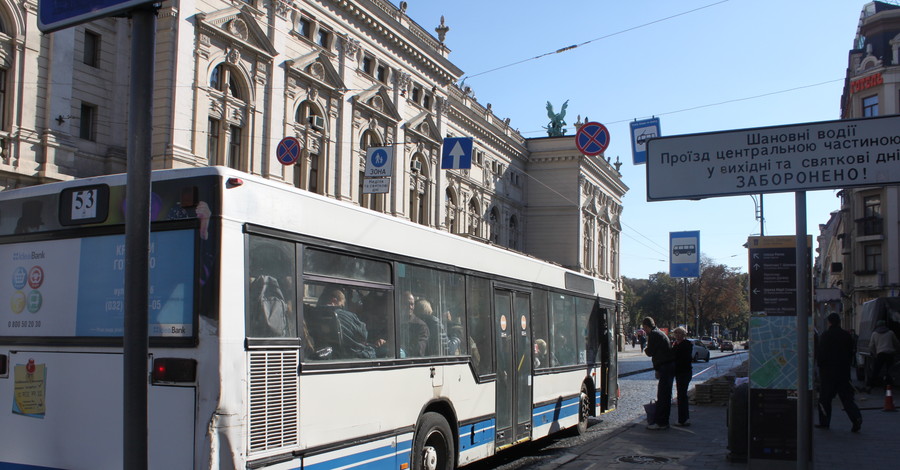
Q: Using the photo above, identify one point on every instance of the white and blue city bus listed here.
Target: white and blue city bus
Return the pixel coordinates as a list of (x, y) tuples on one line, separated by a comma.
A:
[(288, 330)]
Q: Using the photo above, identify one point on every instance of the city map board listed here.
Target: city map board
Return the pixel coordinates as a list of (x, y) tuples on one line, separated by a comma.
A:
[(773, 356)]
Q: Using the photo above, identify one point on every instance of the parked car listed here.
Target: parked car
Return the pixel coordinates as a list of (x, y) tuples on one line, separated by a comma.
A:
[(709, 342), (700, 352), (726, 345)]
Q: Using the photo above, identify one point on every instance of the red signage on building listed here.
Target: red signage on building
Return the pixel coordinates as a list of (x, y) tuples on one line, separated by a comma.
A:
[(865, 83)]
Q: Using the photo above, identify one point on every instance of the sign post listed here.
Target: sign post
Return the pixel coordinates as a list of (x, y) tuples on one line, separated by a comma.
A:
[(137, 240), (54, 15), (796, 158)]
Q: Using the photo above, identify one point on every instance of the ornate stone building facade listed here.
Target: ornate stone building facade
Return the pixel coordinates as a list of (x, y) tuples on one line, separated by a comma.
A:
[(859, 249), (232, 78)]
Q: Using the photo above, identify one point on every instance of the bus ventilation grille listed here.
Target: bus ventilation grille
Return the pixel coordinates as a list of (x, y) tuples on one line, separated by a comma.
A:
[(274, 400)]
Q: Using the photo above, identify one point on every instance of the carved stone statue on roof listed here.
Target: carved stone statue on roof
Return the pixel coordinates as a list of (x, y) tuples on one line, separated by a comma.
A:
[(557, 126)]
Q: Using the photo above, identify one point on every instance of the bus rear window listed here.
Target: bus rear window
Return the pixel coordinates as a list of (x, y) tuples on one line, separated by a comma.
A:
[(75, 287)]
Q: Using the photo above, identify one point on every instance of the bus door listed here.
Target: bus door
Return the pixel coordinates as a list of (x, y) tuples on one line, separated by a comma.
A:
[(608, 358), (512, 314)]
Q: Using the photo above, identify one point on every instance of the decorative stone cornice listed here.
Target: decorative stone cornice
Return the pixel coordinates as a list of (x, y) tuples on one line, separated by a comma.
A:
[(409, 38), (350, 46)]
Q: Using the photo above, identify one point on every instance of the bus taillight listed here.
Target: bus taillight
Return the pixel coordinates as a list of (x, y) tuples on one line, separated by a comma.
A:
[(173, 370)]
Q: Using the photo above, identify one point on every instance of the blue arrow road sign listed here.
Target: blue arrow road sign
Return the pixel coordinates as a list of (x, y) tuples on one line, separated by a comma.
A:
[(457, 153)]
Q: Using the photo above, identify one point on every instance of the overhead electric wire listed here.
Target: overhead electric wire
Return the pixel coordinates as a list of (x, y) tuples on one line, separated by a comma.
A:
[(575, 46)]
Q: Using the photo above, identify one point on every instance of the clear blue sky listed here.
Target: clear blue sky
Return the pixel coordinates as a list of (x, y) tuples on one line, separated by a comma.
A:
[(699, 65)]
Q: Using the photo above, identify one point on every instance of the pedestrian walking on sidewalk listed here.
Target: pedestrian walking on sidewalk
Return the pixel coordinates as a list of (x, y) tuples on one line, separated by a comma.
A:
[(884, 346), (683, 351), (834, 356), (660, 350)]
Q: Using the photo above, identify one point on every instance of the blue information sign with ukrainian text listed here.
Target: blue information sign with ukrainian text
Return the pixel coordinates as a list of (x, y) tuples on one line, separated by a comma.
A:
[(54, 15)]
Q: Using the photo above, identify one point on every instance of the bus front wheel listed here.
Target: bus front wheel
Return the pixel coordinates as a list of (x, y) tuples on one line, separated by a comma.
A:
[(433, 447), (584, 412)]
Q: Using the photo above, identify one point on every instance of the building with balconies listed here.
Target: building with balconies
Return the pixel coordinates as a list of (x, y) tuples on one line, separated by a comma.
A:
[(868, 232)]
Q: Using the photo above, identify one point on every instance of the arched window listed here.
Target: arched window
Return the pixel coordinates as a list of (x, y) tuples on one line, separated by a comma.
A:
[(474, 217), (514, 233), (308, 113), (494, 219), (614, 255), (418, 189), (221, 75), (588, 242), (369, 138), (601, 253), (228, 109), (450, 208), (306, 172), (8, 49)]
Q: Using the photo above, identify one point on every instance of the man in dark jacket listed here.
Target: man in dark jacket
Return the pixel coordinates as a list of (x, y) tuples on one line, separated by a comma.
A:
[(683, 351), (660, 350), (834, 357)]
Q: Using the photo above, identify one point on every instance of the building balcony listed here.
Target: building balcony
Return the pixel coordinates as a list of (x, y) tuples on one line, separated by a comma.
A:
[(868, 279), (869, 226)]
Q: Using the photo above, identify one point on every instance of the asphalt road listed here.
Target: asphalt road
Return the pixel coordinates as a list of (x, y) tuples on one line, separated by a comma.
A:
[(637, 384)]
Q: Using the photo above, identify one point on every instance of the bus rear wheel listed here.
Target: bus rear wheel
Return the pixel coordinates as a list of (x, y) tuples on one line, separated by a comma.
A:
[(433, 447)]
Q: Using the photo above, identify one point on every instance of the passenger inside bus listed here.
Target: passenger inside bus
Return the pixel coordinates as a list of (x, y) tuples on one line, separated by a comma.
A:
[(541, 354), (455, 334), (436, 336), (414, 332), (378, 315), (337, 333)]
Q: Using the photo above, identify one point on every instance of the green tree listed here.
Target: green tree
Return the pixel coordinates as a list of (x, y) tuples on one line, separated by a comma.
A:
[(719, 295)]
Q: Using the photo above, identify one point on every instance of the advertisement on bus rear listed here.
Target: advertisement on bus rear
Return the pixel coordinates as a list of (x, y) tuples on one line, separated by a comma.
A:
[(75, 287)]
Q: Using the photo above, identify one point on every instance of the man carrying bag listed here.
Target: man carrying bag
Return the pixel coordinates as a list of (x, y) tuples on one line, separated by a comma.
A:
[(660, 350)]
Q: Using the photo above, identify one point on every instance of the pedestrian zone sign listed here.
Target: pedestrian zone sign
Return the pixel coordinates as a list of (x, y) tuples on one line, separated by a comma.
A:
[(379, 161), (457, 153)]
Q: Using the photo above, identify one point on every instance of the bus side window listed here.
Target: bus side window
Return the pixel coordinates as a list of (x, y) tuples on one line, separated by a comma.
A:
[(336, 332), (480, 325), (587, 338), (270, 311), (439, 303), (540, 330), (563, 348)]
